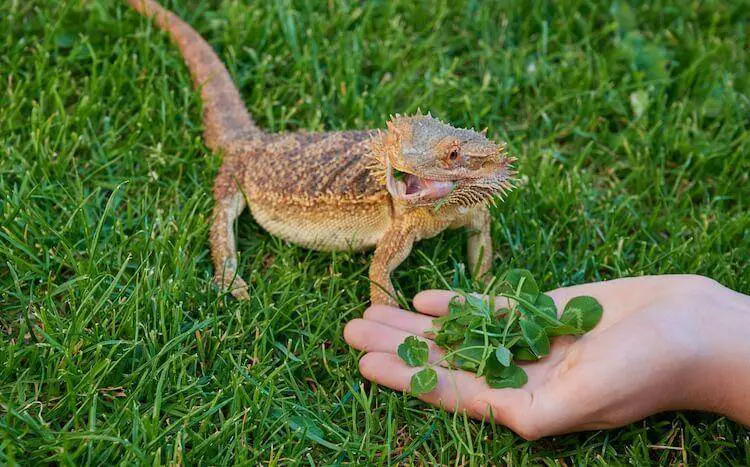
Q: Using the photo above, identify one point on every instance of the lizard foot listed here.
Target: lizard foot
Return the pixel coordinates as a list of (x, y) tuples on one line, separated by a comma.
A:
[(236, 286)]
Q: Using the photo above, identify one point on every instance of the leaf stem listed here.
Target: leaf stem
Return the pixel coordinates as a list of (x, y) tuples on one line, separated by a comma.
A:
[(531, 307)]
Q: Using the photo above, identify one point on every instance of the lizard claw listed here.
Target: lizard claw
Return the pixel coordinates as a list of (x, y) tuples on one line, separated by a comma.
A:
[(236, 286), (240, 292)]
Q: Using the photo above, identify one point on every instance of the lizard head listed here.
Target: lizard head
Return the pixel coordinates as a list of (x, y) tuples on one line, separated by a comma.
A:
[(426, 162)]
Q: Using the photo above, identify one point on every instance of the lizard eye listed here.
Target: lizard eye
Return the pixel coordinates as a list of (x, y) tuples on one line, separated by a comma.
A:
[(453, 155)]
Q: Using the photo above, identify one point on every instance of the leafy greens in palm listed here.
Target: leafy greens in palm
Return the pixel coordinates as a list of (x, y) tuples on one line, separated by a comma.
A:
[(479, 337)]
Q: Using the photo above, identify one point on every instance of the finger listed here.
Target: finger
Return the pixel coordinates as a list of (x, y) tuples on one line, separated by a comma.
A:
[(413, 323), (435, 302), (619, 298), (371, 336), (455, 390)]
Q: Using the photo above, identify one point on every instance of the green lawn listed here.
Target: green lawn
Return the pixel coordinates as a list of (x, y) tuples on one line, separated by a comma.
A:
[(631, 124)]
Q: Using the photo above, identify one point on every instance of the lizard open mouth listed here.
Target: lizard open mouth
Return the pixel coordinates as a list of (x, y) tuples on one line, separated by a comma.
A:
[(409, 187), (425, 188), (466, 189)]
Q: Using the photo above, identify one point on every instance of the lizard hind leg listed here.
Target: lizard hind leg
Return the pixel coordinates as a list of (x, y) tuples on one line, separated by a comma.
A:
[(223, 244)]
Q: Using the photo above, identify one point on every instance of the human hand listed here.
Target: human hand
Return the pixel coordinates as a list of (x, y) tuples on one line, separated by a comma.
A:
[(663, 343)]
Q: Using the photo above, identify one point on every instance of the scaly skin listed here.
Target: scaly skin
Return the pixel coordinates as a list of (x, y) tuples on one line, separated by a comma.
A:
[(339, 190)]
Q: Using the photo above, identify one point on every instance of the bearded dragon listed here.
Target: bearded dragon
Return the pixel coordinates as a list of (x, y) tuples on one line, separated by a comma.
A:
[(344, 190)]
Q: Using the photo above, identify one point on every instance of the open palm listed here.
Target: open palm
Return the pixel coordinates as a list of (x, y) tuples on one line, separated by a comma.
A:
[(640, 359)]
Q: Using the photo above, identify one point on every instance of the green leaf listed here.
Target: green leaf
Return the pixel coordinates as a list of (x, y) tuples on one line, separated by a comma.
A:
[(414, 351), (398, 175), (535, 336), (546, 305), (543, 312), (478, 305), (424, 381), (582, 313), (524, 354), (511, 377), (492, 365), (565, 330), (523, 277), (470, 353), (503, 355), (456, 306), (469, 321), (449, 334), (497, 327)]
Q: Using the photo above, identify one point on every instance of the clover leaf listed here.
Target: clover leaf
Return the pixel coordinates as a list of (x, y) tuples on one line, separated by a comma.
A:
[(449, 333), (503, 355), (582, 313), (524, 279), (511, 377), (524, 354), (546, 305), (470, 353), (414, 351), (423, 381), (535, 337)]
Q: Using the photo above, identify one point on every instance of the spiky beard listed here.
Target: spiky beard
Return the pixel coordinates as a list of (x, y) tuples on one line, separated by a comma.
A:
[(487, 191)]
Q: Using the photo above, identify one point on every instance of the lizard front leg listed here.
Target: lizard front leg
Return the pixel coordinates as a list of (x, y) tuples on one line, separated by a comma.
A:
[(480, 243), (392, 250)]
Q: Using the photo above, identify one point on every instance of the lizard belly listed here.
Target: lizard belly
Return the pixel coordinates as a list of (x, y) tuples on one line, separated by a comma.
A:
[(328, 228)]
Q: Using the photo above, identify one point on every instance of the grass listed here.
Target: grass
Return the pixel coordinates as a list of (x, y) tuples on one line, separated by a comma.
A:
[(630, 122)]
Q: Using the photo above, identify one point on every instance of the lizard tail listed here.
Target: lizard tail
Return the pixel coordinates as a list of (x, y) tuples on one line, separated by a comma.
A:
[(224, 114)]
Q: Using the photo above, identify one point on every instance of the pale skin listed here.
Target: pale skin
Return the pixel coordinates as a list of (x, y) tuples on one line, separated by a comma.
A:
[(676, 342)]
